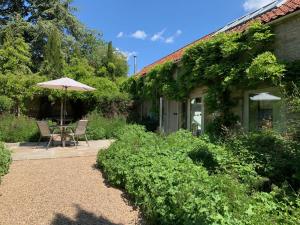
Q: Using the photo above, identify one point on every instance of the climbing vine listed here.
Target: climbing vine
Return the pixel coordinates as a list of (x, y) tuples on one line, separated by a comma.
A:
[(223, 63), (159, 81)]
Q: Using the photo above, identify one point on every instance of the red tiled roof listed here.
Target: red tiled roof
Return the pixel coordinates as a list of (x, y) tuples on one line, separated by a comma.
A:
[(289, 6)]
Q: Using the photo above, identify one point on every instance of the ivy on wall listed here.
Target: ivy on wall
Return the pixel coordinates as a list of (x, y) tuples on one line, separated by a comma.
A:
[(223, 63)]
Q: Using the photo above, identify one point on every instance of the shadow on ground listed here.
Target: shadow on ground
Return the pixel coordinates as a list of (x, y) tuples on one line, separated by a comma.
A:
[(101, 173), (83, 217), (126, 198)]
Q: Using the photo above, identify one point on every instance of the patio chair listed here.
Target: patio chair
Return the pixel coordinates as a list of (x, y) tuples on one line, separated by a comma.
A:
[(45, 132), (80, 131)]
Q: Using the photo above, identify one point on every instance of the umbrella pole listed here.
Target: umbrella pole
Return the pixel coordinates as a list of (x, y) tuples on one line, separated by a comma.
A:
[(62, 117), (65, 106), (61, 111)]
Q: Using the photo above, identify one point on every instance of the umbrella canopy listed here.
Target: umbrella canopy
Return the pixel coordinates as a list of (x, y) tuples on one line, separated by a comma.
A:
[(265, 97), (66, 83)]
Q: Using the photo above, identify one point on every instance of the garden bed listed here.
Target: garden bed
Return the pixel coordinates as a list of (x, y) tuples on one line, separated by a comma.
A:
[(24, 129), (181, 179)]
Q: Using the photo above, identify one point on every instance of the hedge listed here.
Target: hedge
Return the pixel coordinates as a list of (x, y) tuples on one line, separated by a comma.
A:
[(5, 160)]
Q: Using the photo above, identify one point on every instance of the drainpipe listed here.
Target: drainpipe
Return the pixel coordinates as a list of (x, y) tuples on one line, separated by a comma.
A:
[(161, 115)]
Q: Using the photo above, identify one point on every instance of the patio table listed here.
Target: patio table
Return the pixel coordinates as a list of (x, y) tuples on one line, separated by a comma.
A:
[(65, 120), (63, 132)]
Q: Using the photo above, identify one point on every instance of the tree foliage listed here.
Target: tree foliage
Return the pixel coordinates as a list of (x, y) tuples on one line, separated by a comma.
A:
[(43, 40), (114, 65), (53, 33), (54, 59), (15, 56)]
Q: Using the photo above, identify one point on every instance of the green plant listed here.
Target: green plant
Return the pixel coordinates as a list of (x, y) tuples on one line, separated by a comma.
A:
[(100, 127), (5, 160), (5, 104), (181, 179), (272, 156), (17, 129)]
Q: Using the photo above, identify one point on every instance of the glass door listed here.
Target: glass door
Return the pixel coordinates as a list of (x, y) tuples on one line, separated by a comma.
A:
[(196, 116)]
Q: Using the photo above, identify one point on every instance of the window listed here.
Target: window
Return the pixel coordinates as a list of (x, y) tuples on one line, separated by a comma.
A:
[(265, 111)]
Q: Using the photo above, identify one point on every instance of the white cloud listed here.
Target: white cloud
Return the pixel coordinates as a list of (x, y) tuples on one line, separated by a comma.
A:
[(171, 39), (250, 5), (158, 36), (178, 32), (128, 54), (139, 34), (120, 35)]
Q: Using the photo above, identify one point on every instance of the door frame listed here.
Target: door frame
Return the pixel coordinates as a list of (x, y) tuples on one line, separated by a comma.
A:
[(189, 119)]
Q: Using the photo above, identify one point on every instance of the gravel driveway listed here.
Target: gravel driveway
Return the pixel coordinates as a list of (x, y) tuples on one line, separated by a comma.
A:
[(61, 191)]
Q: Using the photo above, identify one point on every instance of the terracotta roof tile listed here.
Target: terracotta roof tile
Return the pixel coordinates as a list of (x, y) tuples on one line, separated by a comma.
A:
[(284, 9)]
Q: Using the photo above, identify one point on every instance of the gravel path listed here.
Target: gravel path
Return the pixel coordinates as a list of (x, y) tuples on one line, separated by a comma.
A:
[(61, 191)]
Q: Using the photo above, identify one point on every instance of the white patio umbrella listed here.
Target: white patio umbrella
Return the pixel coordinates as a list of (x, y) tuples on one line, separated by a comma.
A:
[(65, 84), (265, 97)]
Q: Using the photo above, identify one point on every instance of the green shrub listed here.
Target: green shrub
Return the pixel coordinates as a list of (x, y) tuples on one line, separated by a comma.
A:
[(172, 183), (100, 127), (17, 129), (6, 104), (273, 157), (23, 128), (5, 160)]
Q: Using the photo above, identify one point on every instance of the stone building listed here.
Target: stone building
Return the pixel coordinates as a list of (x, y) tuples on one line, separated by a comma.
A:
[(284, 17)]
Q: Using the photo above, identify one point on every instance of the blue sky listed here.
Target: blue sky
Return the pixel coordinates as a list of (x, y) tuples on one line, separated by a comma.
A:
[(153, 29)]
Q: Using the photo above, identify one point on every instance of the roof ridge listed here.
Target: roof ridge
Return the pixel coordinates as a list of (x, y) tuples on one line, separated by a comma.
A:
[(249, 16), (182, 48)]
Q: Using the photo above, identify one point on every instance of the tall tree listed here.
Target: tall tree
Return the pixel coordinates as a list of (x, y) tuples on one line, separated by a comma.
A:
[(16, 78), (58, 12), (9, 8), (15, 57), (114, 64), (54, 59), (121, 64), (93, 48), (110, 53), (78, 67)]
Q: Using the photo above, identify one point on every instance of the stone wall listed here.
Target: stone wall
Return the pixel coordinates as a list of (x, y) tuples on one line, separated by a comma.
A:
[(287, 42)]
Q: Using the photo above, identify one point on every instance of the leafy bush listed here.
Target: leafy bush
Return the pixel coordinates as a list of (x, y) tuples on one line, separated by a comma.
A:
[(22, 128), (5, 104), (17, 129), (5, 160), (100, 127), (107, 97), (184, 180), (273, 156)]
